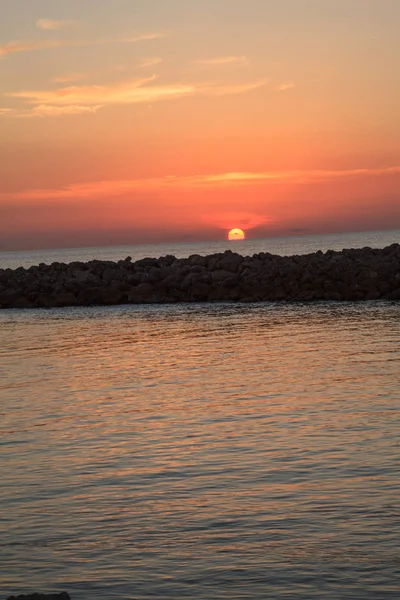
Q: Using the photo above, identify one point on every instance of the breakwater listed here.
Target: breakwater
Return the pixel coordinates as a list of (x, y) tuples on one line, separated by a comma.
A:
[(36, 596), (348, 275)]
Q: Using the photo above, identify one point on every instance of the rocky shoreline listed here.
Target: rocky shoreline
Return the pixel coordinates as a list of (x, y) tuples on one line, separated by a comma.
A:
[(348, 275), (37, 596)]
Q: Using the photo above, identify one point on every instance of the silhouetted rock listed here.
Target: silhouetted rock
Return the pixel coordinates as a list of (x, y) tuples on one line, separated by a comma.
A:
[(349, 275), (62, 596)]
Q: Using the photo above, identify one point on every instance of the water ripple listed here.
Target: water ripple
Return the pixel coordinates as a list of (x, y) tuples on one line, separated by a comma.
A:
[(213, 452)]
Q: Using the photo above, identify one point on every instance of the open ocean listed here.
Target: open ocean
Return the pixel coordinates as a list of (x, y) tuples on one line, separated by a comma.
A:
[(278, 245), (210, 451)]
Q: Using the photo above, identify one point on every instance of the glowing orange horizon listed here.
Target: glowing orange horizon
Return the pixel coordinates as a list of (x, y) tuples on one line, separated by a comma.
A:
[(236, 234), (128, 128)]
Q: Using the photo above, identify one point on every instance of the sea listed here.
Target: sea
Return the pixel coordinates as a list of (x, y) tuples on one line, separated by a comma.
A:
[(204, 451), (283, 246)]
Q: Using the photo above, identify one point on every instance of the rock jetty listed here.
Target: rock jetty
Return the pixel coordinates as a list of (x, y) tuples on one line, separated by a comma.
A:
[(348, 275), (62, 596)]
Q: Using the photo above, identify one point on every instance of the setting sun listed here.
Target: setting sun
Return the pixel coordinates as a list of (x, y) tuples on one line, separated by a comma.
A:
[(139, 127), (236, 234)]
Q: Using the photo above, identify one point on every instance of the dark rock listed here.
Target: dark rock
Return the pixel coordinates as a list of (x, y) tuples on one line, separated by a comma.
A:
[(147, 262), (143, 293), (219, 275), (110, 274), (349, 275), (23, 302), (231, 281), (190, 280), (171, 282), (62, 596), (394, 295), (372, 294), (166, 261), (85, 276), (64, 299), (110, 296), (197, 260), (154, 275), (134, 279), (230, 261), (201, 291)]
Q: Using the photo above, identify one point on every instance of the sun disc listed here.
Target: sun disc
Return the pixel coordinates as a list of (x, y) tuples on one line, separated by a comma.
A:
[(236, 234)]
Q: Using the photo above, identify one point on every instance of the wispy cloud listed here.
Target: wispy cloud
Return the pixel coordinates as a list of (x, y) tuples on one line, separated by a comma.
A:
[(283, 87), (97, 189), (143, 37), (149, 62), (45, 110), (223, 60), (70, 78), (228, 220), (30, 46), (232, 89), (17, 46), (75, 77), (132, 92), (308, 176), (51, 24)]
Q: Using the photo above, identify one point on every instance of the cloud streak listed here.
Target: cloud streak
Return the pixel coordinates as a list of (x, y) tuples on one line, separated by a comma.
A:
[(98, 189), (45, 110), (70, 78), (132, 92), (17, 46), (310, 176), (149, 62), (53, 25), (143, 37), (232, 89), (223, 60), (31, 46), (228, 220), (284, 87)]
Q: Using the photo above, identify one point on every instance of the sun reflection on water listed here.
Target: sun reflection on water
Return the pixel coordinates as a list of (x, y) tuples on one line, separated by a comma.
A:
[(217, 448)]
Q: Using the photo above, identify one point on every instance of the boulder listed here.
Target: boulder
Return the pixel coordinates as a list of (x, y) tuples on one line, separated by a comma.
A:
[(62, 596), (197, 260), (110, 296), (230, 261), (200, 291), (110, 275), (89, 296), (220, 275), (143, 293), (349, 275), (62, 298)]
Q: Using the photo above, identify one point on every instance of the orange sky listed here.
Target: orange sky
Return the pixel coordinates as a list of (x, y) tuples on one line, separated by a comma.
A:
[(126, 122)]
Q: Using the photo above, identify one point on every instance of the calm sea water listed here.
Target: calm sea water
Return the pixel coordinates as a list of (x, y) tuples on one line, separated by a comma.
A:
[(193, 451), (201, 451), (282, 246)]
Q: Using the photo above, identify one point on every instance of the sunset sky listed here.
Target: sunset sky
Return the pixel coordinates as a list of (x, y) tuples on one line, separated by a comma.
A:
[(130, 121)]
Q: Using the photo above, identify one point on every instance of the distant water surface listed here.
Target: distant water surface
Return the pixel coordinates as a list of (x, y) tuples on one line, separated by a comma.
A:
[(192, 451), (282, 246)]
